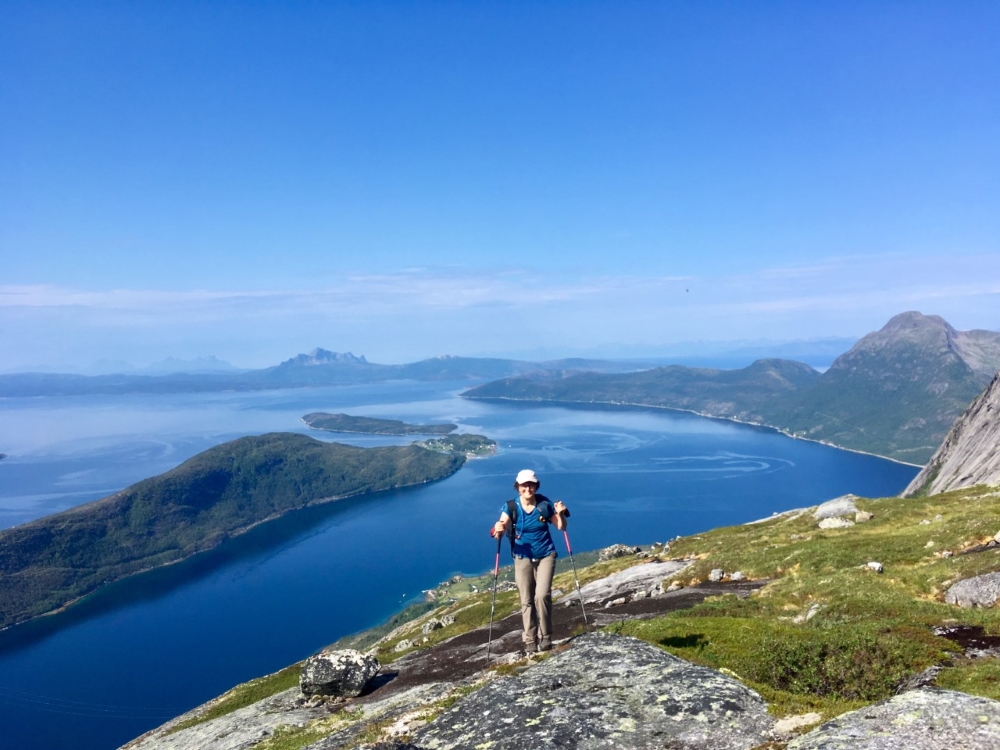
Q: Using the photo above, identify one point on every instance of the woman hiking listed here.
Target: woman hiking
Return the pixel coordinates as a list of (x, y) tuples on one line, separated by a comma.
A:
[(534, 555)]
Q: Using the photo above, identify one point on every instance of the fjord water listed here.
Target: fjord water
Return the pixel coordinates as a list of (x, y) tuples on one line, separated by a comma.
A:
[(146, 649)]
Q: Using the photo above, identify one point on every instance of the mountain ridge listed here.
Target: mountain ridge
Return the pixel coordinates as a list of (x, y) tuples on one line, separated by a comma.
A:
[(895, 393)]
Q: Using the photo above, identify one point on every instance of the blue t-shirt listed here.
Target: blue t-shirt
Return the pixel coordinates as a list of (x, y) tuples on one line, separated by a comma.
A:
[(531, 534)]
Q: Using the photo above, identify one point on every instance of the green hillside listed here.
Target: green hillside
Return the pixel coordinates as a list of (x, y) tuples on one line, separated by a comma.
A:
[(738, 394), (895, 393), (50, 562)]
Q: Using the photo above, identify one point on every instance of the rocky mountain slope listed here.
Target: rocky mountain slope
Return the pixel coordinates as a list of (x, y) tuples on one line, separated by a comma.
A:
[(817, 628), (895, 393), (970, 453)]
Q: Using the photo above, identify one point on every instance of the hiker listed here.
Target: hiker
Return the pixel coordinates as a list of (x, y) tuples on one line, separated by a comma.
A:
[(534, 555)]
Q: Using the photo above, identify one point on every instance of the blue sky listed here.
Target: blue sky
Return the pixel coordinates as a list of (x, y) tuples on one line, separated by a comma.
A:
[(408, 179)]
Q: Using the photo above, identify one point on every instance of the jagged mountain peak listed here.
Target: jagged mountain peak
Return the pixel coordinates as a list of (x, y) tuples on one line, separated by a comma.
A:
[(320, 356)]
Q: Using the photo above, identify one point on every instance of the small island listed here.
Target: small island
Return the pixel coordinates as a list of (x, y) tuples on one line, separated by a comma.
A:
[(319, 420), (471, 446)]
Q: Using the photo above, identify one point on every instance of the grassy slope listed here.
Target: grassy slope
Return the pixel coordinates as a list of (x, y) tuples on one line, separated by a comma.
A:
[(222, 491), (869, 632)]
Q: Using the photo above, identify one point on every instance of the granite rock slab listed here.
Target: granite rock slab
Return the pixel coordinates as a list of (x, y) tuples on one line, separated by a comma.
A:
[(605, 691), (925, 719)]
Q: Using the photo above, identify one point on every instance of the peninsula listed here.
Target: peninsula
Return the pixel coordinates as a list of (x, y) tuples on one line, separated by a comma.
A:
[(222, 492), (319, 420)]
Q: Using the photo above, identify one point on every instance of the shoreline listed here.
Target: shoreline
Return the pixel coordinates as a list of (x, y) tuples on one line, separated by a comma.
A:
[(735, 420), (240, 531)]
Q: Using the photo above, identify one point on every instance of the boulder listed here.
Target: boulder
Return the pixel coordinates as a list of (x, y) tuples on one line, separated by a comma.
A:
[(925, 719), (341, 673), (605, 691), (981, 591), (737, 576), (617, 550), (839, 506), (835, 523), (863, 516), (716, 575), (875, 565)]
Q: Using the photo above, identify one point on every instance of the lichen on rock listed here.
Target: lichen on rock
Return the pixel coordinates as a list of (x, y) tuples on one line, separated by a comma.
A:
[(925, 719), (605, 691), (340, 673)]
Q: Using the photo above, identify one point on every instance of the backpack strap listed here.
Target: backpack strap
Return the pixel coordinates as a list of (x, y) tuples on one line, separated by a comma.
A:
[(546, 510), (512, 510)]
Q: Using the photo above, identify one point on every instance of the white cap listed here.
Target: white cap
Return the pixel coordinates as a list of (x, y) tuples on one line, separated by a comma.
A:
[(526, 475)]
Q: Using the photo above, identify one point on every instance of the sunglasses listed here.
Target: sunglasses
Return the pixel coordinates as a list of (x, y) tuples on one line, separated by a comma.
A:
[(527, 485)]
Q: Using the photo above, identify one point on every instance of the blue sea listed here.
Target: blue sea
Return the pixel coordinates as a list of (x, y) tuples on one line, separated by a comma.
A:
[(148, 648)]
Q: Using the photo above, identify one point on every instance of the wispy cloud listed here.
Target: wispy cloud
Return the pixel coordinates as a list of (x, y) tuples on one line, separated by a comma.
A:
[(425, 311)]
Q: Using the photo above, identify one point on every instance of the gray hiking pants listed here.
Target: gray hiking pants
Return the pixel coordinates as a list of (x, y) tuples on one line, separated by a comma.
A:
[(534, 584)]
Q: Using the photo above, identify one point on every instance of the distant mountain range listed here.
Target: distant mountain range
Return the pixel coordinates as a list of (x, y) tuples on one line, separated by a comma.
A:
[(318, 367), (895, 393)]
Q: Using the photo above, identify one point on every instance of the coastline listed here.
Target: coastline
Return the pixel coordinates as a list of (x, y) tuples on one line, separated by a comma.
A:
[(220, 539), (735, 420)]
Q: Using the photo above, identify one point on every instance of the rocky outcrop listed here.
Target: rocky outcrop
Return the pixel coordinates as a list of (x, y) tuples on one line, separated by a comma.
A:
[(338, 673), (968, 456), (598, 690), (924, 719), (239, 730), (617, 550), (981, 591), (605, 691), (625, 584), (839, 506)]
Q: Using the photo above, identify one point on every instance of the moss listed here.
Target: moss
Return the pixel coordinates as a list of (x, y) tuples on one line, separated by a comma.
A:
[(245, 695), (981, 677), (869, 631)]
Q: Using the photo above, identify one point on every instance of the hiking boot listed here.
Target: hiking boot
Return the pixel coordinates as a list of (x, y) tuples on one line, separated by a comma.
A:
[(544, 644), (529, 649)]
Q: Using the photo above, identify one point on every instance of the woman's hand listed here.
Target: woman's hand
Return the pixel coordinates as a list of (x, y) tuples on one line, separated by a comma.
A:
[(560, 507), (498, 528)]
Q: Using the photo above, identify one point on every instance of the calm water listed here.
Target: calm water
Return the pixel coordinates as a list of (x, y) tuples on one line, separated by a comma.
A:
[(146, 649)]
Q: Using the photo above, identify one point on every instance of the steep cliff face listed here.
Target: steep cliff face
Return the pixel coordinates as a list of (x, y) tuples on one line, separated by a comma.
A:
[(969, 454)]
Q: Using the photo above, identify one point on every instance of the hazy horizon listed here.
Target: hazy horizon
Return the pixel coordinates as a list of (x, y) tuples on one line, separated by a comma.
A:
[(818, 349)]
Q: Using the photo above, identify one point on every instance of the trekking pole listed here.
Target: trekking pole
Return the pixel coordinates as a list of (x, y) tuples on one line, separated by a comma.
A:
[(575, 577), (493, 606)]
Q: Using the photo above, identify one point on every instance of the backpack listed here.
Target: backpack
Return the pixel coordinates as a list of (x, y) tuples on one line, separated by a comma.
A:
[(545, 513)]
